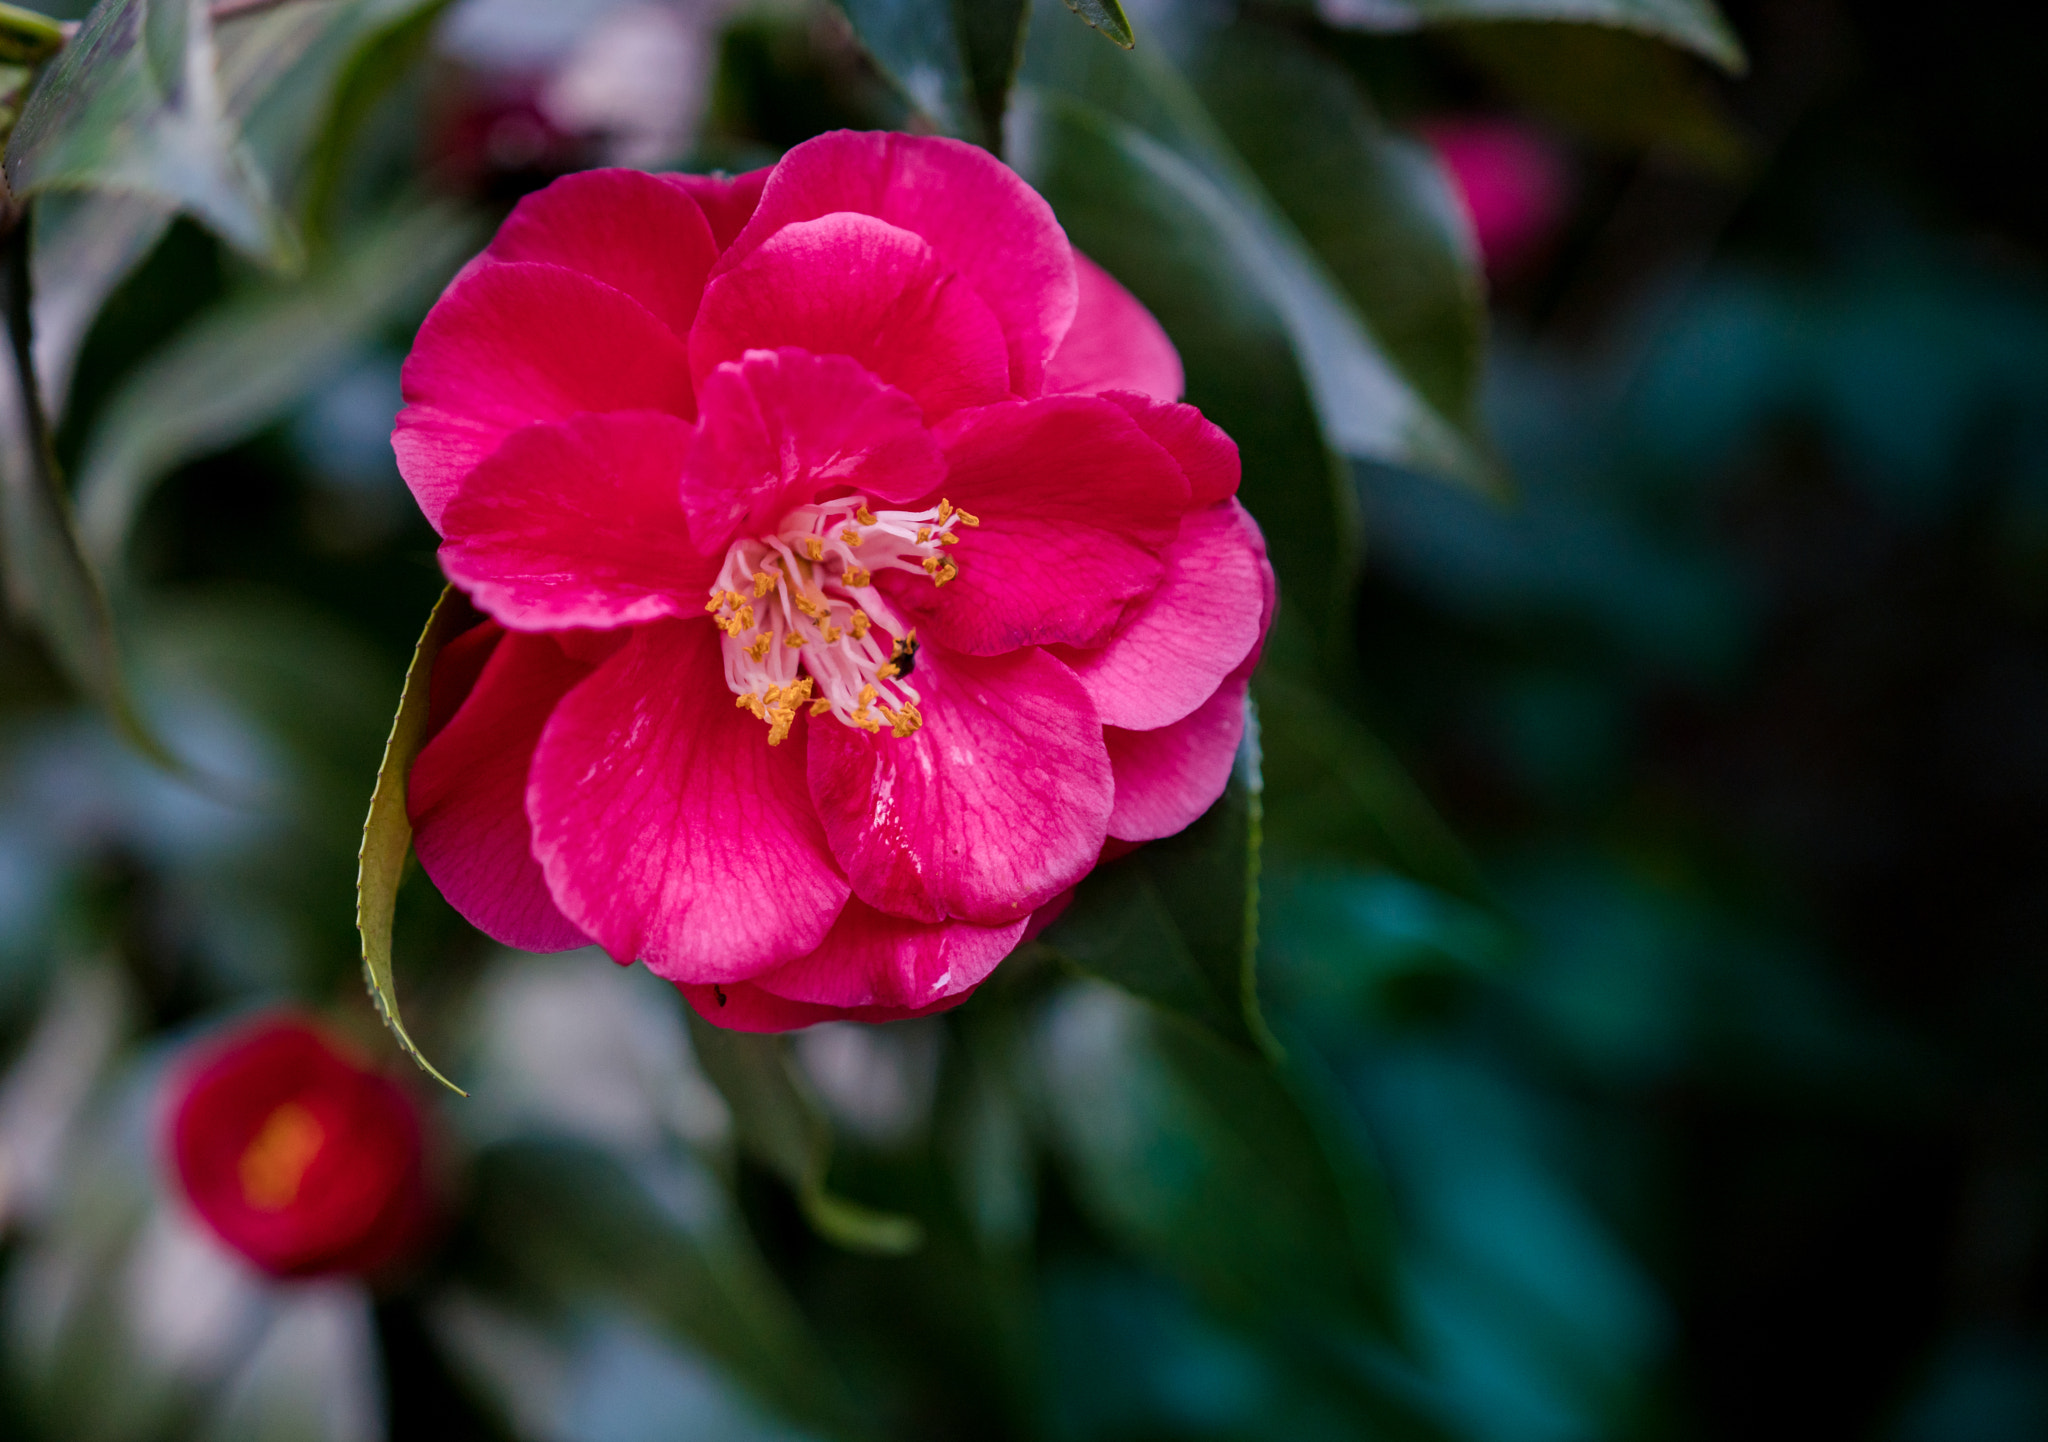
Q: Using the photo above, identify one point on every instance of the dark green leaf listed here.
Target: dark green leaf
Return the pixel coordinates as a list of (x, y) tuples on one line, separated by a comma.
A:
[(1695, 24), (1108, 17), (387, 831), (1334, 789), (134, 104), (1612, 86), (1376, 208), (559, 1220), (1163, 229), (1368, 407), (236, 369), (86, 243), (49, 581), (781, 1127), (27, 38), (954, 59), (1199, 1157), (1177, 921)]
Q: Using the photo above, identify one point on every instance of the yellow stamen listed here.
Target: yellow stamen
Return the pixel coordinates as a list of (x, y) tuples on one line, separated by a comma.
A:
[(763, 584), (717, 600), (806, 605), (850, 536), (966, 519), (886, 671), (759, 650), (945, 510), (924, 535), (865, 516), (949, 539), (814, 547), (831, 632), (867, 697), (860, 623), (863, 719), (857, 578), (947, 571), (792, 640), (820, 706)]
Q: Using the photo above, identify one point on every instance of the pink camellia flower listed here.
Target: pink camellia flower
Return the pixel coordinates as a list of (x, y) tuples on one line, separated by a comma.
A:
[(852, 577), (1513, 181)]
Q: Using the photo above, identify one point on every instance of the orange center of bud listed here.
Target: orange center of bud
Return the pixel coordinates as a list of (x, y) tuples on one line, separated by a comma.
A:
[(274, 1165)]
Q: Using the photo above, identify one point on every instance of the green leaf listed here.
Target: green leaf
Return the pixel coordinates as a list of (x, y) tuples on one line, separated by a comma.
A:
[(1695, 25), (1108, 17), (26, 37), (781, 1127), (1376, 208), (49, 581), (1165, 230), (1368, 407), (134, 103), (86, 243), (1200, 1158), (1611, 86), (1177, 922), (387, 831), (559, 1219), (244, 364), (954, 59), (1335, 789)]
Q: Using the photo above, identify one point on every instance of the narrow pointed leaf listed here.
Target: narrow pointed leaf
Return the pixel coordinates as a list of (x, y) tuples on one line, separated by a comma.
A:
[(1108, 17), (1696, 25), (387, 831)]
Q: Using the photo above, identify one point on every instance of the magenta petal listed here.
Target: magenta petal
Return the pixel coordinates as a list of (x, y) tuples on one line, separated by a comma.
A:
[(1170, 655), (727, 201), (982, 220), (780, 427), (851, 285), (871, 958), (999, 803), (1207, 456), (579, 524), (1075, 505), (626, 228), (466, 793), (457, 668), (742, 1006), (667, 826), (509, 344), (1168, 777), (1114, 343)]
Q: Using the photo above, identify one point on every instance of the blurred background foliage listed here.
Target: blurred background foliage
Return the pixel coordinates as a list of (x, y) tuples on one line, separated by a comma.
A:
[(1609, 1002)]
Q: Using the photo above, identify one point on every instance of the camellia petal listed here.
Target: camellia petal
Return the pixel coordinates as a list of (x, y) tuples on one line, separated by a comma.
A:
[(666, 827), (780, 427), (514, 343), (1207, 457), (467, 795), (1114, 343), (982, 220), (1075, 507), (579, 524), (743, 1006), (851, 285), (873, 959), (728, 201), (1166, 778), (626, 228), (999, 802), (1176, 647)]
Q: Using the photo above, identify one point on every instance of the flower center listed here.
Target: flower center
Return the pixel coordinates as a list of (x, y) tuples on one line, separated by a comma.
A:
[(274, 1166), (805, 626)]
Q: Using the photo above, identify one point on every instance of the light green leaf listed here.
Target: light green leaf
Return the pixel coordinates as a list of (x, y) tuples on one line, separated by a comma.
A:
[(1177, 922), (134, 104), (241, 366), (1697, 25), (1165, 230), (26, 37), (781, 1127), (1376, 208), (1108, 17), (49, 581), (387, 831)]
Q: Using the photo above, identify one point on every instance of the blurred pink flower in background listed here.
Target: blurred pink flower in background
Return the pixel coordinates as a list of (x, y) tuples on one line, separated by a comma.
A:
[(1515, 181), (853, 576), (294, 1154)]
